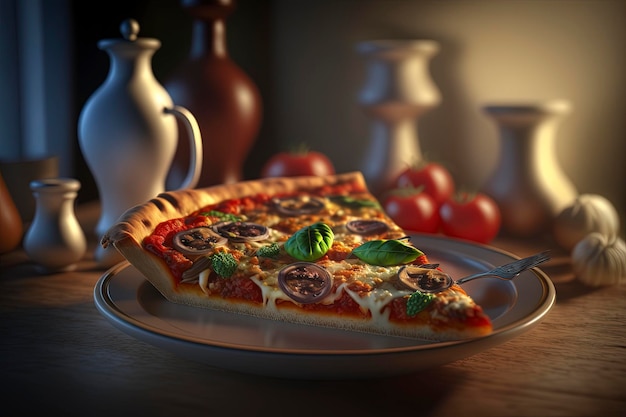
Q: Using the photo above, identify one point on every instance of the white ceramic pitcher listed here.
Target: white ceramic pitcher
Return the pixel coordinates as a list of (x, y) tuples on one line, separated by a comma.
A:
[(397, 92), (128, 132)]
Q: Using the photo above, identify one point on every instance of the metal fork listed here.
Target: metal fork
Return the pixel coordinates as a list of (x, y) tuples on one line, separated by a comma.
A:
[(426, 278), (510, 270)]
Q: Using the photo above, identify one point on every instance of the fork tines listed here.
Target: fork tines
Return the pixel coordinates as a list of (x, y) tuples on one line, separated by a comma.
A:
[(534, 260), (526, 263)]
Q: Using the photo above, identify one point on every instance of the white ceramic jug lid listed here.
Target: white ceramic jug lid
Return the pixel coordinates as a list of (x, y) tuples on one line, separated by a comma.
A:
[(130, 29)]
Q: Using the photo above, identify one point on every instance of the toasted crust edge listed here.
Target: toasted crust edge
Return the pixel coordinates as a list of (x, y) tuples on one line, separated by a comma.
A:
[(139, 221)]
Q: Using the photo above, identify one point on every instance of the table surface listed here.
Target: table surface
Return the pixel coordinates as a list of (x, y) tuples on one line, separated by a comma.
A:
[(58, 353)]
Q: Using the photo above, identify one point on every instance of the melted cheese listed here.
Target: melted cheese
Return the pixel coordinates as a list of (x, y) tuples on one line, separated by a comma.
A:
[(270, 293), (455, 304), (375, 301), (379, 278), (379, 284)]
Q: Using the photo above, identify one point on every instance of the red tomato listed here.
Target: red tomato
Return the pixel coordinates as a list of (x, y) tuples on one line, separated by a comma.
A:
[(296, 163), (473, 217), (435, 179), (412, 209)]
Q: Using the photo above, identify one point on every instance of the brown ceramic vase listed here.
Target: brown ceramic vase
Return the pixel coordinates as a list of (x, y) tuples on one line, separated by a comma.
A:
[(224, 100)]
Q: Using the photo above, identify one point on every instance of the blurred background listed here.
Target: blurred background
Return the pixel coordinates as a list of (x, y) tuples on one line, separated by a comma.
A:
[(302, 56)]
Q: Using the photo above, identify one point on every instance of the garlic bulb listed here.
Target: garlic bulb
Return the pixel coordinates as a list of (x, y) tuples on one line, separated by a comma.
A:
[(588, 213), (598, 260)]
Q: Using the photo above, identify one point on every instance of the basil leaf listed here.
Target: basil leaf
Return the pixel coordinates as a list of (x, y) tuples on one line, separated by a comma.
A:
[(386, 252), (311, 242), (417, 302)]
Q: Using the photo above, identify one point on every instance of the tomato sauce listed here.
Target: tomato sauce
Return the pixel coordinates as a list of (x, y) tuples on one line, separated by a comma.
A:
[(236, 287), (344, 306)]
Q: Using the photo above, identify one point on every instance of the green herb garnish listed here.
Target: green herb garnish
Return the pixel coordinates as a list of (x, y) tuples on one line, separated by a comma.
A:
[(224, 264), (417, 302), (385, 252), (269, 251), (311, 242), (227, 217), (353, 202)]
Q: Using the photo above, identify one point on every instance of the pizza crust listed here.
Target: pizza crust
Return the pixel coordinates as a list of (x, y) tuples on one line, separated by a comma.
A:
[(139, 221)]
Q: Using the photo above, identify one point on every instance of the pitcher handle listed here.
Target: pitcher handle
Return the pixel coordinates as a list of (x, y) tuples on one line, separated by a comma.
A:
[(195, 145)]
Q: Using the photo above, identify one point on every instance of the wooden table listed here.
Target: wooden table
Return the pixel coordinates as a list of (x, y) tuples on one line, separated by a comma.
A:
[(58, 354)]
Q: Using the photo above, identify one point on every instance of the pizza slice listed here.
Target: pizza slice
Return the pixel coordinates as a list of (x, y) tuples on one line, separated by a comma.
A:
[(310, 250)]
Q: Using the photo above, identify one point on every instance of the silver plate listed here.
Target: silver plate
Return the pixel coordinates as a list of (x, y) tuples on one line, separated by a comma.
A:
[(270, 348)]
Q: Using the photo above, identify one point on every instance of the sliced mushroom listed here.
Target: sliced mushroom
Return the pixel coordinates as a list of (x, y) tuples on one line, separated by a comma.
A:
[(297, 206), (305, 282), (367, 227), (424, 278), (242, 231), (197, 241)]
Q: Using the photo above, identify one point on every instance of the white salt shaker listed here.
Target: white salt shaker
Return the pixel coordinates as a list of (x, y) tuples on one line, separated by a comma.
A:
[(55, 239)]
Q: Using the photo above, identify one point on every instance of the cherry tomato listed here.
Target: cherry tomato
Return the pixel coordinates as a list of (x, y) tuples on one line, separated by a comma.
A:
[(435, 179), (473, 217), (412, 209), (296, 163)]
